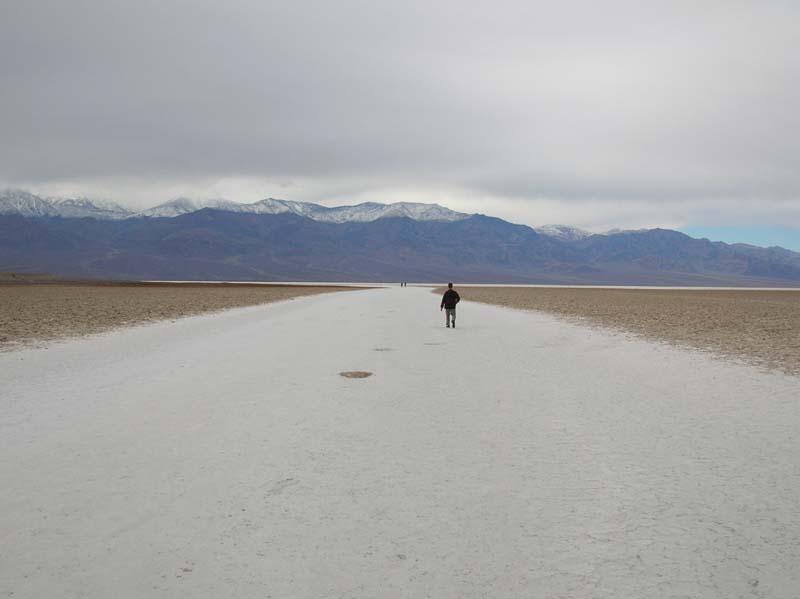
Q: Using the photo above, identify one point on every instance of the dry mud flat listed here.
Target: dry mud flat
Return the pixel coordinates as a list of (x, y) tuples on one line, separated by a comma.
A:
[(762, 327), (32, 312)]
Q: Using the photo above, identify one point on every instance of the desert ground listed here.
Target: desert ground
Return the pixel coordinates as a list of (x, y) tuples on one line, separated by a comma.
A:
[(348, 445), (762, 327), (34, 310)]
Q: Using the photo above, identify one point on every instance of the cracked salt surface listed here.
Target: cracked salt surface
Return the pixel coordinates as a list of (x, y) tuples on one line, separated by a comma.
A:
[(521, 456)]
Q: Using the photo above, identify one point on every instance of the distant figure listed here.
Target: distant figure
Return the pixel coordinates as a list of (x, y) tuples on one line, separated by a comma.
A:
[(449, 301)]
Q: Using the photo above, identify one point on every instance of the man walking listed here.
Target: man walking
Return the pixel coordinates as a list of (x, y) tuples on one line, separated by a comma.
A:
[(449, 301)]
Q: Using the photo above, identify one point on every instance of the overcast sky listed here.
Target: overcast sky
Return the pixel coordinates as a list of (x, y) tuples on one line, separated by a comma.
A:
[(598, 114)]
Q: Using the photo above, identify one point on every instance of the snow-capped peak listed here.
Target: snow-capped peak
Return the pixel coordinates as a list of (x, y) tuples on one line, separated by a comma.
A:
[(365, 212), (410, 210), (84, 207), (27, 204), (16, 201), (180, 206), (563, 232), (370, 211)]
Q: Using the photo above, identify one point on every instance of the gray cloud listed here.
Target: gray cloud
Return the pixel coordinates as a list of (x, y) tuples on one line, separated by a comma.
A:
[(583, 109)]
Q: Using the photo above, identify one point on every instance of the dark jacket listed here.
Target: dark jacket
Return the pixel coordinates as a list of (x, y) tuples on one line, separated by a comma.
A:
[(450, 299)]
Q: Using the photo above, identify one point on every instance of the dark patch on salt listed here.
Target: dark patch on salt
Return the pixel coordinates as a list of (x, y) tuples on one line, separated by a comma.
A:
[(355, 374)]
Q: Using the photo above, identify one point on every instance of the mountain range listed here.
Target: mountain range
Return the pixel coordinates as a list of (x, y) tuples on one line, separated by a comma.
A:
[(27, 204), (283, 240)]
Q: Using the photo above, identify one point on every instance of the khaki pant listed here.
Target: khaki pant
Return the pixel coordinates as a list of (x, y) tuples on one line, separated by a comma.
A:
[(450, 313)]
